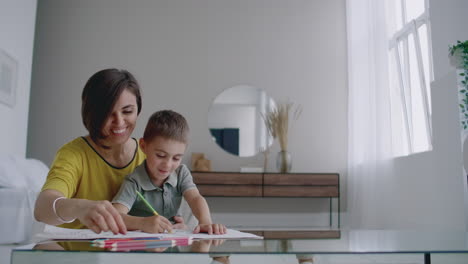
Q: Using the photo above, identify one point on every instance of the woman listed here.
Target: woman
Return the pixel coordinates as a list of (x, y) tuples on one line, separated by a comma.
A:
[(88, 171)]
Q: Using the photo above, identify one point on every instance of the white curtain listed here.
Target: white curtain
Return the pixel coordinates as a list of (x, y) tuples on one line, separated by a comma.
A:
[(369, 127)]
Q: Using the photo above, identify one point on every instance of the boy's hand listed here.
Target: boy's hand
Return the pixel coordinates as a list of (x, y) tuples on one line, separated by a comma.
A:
[(216, 229), (156, 224), (205, 244), (178, 223)]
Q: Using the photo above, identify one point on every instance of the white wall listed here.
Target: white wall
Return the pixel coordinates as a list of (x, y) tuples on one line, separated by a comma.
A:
[(448, 23), (449, 20), (17, 21)]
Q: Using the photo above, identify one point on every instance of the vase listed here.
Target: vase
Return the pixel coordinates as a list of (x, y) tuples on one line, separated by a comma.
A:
[(284, 162)]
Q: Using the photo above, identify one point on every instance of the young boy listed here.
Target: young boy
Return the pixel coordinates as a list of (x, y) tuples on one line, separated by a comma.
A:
[(162, 180)]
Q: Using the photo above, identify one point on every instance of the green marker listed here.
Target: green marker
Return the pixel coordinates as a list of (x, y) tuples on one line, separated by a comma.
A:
[(146, 202)]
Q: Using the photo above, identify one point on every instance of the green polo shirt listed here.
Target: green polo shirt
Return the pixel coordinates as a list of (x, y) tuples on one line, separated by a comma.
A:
[(166, 200)]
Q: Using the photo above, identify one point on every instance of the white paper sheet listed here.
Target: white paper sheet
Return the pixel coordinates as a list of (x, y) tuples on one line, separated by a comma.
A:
[(58, 233)]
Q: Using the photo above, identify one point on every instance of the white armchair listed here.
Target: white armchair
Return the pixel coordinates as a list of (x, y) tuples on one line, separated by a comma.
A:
[(20, 182)]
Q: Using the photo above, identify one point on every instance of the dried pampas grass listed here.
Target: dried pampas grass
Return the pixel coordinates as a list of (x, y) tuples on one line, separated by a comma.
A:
[(277, 122)]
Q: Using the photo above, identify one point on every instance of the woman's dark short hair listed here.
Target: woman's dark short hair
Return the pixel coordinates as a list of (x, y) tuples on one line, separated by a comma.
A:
[(100, 94), (167, 124)]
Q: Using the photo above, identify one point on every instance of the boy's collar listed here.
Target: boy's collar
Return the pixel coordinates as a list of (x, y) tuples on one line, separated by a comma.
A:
[(145, 182), (172, 179)]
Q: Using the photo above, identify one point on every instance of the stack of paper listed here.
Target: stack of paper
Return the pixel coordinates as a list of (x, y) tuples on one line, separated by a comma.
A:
[(58, 233)]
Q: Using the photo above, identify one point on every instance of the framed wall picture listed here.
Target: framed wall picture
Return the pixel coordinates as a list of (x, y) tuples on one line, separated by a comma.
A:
[(8, 79)]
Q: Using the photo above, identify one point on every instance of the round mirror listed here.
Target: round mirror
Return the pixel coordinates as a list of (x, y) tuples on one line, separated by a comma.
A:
[(235, 120)]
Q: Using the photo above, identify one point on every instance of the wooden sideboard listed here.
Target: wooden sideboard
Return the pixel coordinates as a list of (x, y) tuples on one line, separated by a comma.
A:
[(236, 184)]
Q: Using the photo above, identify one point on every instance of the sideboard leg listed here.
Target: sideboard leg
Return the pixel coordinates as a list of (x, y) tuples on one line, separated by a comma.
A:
[(427, 258), (339, 213)]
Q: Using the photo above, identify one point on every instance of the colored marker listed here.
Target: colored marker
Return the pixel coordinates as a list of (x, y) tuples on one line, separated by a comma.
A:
[(147, 245), (108, 243), (146, 203)]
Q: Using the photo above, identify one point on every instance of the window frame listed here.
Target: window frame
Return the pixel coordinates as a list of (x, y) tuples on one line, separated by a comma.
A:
[(402, 61)]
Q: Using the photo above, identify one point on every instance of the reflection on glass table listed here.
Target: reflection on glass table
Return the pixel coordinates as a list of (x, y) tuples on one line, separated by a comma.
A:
[(421, 244)]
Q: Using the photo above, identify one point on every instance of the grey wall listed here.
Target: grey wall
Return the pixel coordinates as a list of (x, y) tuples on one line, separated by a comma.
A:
[(17, 20), (186, 52)]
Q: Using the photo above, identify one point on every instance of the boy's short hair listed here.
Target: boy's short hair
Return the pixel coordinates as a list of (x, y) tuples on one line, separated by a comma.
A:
[(167, 124)]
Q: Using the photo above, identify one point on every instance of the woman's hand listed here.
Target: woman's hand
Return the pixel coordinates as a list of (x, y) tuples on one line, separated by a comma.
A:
[(217, 229), (96, 215), (156, 224), (100, 216)]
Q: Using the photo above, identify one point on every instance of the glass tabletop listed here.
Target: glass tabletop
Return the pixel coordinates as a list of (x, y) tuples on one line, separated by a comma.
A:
[(350, 241)]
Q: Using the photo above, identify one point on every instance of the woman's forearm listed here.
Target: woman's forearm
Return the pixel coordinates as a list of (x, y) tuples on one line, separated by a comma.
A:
[(96, 215), (65, 208)]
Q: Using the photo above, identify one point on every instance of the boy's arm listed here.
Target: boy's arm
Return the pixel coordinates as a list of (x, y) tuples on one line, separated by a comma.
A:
[(152, 224), (200, 209), (131, 222), (198, 205)]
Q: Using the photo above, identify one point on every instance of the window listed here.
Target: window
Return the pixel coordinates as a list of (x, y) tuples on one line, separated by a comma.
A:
[(410, 75)]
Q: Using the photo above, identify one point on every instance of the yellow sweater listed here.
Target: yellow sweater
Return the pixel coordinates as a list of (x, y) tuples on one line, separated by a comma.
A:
[(78, 171)]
